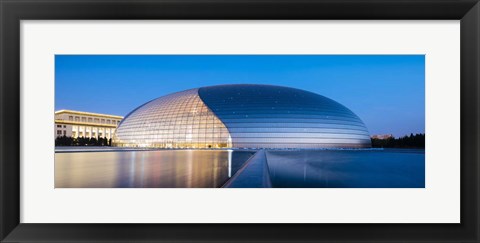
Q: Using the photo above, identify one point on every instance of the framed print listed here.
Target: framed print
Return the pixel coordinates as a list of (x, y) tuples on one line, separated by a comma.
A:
[(239, 121)]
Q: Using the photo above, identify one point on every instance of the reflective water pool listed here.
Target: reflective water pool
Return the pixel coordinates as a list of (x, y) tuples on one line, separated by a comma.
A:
[(160, 169), (389, 168)]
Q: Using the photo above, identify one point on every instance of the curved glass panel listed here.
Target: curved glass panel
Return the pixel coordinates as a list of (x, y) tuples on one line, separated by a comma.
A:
[(267, 116), (179, 120)]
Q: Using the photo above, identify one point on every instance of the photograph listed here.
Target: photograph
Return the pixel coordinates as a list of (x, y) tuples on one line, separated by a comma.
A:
[(239, 121)]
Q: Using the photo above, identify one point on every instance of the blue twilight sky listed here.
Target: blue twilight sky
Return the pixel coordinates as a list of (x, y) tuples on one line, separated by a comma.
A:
[(386, 91)]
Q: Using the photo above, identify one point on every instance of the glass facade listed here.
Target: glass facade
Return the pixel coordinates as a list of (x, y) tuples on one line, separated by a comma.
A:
[(243, 116), (267, 116), (179, 120)]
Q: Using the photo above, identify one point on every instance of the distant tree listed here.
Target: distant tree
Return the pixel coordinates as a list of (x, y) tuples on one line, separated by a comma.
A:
[(82, 141), (411, 141), (69, 141), (63, 141), (92, 141)]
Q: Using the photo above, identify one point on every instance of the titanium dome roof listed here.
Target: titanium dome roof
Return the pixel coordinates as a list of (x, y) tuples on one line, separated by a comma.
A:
[(242, 116)]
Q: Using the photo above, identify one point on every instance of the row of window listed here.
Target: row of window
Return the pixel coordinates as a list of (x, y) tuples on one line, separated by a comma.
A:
[(93, 120), (173, 144), (88, 134), (86, 131)]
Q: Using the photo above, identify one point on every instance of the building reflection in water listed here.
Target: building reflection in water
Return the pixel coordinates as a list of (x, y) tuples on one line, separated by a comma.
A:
[(147, 169)]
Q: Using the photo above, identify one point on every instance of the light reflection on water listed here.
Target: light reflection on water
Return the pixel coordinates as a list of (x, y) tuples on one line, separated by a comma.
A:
[(154, 169), (389, 168)]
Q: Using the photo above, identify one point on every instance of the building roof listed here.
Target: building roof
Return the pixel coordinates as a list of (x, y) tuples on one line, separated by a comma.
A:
[(91, 124), (86, 113)]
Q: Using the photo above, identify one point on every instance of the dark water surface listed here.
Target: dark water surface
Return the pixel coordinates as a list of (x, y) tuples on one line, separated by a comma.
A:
[(160, 169), (388, 168)]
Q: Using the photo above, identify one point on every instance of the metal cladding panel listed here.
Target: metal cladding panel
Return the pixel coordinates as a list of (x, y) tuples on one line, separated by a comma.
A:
[(178, 120), (267, 116)]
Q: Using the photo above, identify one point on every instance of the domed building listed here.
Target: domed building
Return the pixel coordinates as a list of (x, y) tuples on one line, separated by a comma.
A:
[(242, 116)]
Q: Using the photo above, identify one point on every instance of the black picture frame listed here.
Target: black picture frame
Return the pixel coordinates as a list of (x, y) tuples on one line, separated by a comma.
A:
[(13, 11)]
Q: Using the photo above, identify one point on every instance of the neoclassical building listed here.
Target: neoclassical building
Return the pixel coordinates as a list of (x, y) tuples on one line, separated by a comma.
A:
[(85, 124)]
